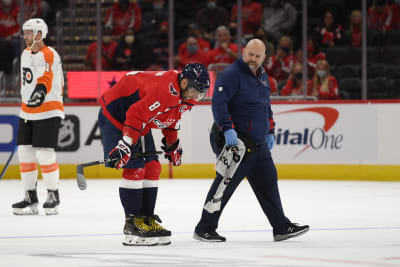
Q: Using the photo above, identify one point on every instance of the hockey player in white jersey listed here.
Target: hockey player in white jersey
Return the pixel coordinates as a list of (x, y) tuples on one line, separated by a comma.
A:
[(41, 112)]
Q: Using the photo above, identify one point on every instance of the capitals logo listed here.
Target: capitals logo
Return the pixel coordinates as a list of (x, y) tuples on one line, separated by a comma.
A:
[(172, 90), (163, 125), (315, 138)]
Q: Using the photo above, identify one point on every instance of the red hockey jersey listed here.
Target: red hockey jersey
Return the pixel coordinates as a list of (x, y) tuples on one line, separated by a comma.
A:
[(142, 100)]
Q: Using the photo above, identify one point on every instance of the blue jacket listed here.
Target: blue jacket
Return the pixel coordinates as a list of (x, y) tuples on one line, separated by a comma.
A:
[(242, 101)]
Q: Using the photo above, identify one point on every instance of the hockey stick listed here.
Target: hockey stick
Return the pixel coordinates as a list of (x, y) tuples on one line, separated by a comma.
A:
[(79, 168), (8, 162)]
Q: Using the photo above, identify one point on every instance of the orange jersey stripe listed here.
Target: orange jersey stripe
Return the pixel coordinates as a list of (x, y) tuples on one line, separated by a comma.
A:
[(47, 78), (49, 168), (46, 106), (27, 166)]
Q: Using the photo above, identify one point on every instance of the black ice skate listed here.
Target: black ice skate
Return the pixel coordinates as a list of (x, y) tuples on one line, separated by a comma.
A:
[(28, 206), (52, 202), (164, 235), (293, 230), (138, 233), (211, 236)]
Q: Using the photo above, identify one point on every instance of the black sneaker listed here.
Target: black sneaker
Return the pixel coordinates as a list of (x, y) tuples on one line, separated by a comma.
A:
[(211, 236), (293, 230), (28, 206), (52, 202)]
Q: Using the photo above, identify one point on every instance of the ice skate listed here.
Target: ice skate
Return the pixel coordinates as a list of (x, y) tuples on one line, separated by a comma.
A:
[(164, 235), (138, 233), (293, 230), (52, 202), (28, 206)]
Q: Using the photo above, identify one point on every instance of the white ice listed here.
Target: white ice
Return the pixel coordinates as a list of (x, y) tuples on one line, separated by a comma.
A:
[(352, 224)]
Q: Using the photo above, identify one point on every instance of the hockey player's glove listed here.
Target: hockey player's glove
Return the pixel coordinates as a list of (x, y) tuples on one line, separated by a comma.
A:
[(120, 155), (37, 96), (230, 138), (172, 153), (270, 140)]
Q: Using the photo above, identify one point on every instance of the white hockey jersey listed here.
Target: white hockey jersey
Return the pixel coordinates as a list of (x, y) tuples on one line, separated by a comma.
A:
[(42, 67)]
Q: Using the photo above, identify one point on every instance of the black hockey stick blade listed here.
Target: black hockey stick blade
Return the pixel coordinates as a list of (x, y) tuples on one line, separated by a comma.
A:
[(8, 162), (80, 176)]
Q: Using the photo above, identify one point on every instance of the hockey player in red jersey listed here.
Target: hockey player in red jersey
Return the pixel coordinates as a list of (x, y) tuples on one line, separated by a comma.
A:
[(129, 110)]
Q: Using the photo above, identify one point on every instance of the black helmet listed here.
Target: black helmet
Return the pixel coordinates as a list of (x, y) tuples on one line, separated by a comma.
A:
[(198, 77)]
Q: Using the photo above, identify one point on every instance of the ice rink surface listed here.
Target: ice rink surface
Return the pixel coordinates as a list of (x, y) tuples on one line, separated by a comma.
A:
[(352, 224)]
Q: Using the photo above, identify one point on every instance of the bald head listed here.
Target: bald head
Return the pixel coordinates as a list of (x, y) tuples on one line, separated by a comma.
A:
[(254, 54)]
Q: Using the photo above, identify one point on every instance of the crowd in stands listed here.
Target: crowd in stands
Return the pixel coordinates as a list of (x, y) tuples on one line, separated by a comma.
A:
[(135, 36)]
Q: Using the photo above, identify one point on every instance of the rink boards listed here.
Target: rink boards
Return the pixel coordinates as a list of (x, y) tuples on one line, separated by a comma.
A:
[(317, 140)]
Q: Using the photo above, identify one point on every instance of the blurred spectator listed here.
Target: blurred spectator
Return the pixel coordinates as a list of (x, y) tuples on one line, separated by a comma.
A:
[(395, 8), (251, 17), (132, 52), (269, 46), (279, 18), (32, 9), (379, 16), (160, 48), (191, 54), (353, 34), (123, 15), (153, 17), (313, 55), (193, 30), (330, 33), (280, 65), (9, 28), (210, 17), (274, 85), (294, 84), (108, 47), (225, 51), (325, 86)]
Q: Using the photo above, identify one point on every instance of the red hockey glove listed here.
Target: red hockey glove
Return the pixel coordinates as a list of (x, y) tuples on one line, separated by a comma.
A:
[(172, 153), (120, 155)]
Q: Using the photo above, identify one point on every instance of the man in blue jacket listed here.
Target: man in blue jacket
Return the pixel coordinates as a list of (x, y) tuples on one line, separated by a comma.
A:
[(241, 107)]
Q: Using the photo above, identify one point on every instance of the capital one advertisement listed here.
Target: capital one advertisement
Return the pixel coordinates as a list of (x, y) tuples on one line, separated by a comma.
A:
[(320, 133)]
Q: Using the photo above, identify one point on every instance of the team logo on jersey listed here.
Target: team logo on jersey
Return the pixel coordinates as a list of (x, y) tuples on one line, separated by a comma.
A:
[(163, 125), (172, 90), (183, 108), (264, 82), (27, 75)]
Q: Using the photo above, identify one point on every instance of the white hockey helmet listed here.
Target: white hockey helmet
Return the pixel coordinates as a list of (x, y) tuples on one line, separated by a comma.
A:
[(36, 25)]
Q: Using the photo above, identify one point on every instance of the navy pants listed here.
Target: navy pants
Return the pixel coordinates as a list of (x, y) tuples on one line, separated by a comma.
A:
[(260, 171)]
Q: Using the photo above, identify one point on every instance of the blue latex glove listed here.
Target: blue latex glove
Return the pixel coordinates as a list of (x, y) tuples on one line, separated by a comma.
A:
[(270, 140), (230, 137)]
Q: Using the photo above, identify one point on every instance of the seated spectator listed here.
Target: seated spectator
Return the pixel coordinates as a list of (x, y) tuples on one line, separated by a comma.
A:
[(160, 48), (379, 22), (279, 18), (395, 8), (313, 55), (153, 17), (294, 84), (251, 17), (262, 35), (325, 86), (193, 30), (330, 33), (210, 17), (32, 9), (280, 65), (191, 54), (108, 47), (132, 52), (225, 51), (273, 84), (9, 27), (353, 34), (123, 15)]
